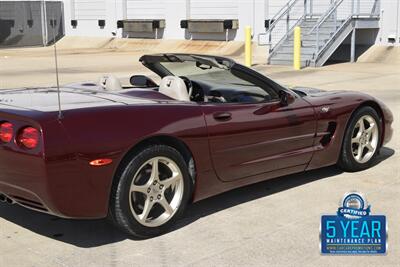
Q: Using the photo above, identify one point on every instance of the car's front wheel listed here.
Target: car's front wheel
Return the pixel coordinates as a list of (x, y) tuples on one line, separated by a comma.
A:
[(361, 141), (151, 192)]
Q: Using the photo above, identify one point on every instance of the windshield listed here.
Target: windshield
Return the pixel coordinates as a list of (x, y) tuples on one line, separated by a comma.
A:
[(212, 79)]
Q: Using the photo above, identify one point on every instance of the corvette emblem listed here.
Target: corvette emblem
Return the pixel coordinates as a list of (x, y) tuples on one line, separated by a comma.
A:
[(325, 109)]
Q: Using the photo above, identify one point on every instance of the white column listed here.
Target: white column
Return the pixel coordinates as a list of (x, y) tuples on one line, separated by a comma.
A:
[(353, 46)]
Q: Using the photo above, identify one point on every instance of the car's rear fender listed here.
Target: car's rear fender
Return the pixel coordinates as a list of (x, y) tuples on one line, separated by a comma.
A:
[(112, 133), (23, 172)]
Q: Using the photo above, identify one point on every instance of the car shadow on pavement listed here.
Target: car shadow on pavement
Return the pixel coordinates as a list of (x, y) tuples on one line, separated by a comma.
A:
[(263, 189), (94, 233)]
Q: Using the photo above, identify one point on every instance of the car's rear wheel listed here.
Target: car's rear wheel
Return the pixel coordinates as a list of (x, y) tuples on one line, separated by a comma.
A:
[(151, 192), (361, 140)]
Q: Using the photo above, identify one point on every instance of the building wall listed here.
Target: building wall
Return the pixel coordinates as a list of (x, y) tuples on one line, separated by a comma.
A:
[(249, 12), (30, 23), (390, 21), (148, 9), (222, 9)]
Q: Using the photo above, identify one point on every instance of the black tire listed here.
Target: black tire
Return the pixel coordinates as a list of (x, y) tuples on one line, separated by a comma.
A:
[(119, 209), (346, 160)]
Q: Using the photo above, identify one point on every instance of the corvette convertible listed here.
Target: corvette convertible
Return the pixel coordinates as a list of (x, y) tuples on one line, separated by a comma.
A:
[(201, 125)]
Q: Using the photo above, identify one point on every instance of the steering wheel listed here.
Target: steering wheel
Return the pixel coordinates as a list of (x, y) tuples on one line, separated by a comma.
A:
[(216, 97), (188, 84)]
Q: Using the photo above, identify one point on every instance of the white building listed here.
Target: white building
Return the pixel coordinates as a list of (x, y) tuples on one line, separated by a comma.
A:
[(87, 13), (336, 30), (248, 12)]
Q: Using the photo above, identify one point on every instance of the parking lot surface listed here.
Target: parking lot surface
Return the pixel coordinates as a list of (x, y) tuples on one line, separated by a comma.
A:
[(272, 223)]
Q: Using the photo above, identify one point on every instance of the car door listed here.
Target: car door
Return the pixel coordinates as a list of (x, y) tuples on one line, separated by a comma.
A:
[(254, 138), (250, 130)]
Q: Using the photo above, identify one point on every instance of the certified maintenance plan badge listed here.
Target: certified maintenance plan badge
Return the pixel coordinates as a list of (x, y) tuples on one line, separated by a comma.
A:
[(353, 230)]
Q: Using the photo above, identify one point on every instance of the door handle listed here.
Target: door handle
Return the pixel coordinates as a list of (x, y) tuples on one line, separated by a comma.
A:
[(222, 116)]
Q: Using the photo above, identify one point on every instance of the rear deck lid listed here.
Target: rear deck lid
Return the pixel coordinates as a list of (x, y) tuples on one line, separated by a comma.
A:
[(46, 100)]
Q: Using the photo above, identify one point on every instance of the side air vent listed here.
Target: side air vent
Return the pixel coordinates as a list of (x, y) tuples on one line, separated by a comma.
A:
[(330, 131)]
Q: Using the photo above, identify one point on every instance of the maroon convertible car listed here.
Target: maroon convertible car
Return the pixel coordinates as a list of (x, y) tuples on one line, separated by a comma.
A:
[(140, 154)]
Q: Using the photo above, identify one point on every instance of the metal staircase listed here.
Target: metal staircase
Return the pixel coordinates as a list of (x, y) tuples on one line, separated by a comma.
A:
[(322, 33)]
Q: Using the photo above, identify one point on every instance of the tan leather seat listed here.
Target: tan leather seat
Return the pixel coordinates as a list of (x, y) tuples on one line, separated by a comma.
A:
[(175, 88), (110, 83)]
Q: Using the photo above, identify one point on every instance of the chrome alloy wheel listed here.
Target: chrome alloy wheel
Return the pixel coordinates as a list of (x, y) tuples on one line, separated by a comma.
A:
[(156, 192), (364, 140)]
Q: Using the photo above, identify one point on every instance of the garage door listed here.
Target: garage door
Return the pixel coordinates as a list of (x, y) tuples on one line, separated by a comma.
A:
[(145, 9), (213, 9), (89, 10)]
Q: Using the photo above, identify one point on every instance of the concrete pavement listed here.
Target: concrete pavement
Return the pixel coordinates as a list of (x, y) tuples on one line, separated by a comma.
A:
[(273, 223)]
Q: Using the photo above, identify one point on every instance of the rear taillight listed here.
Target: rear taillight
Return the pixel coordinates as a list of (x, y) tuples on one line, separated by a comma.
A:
[(6, 132), (28, 137)]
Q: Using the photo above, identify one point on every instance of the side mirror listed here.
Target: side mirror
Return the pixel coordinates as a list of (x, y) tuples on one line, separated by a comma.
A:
[(286, 98), (142, 81)]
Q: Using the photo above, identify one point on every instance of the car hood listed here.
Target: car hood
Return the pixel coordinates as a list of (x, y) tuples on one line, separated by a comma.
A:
[(320, 97), (308, 91)]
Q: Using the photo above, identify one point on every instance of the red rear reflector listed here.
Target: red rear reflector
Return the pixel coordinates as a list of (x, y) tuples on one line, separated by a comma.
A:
[(28, 137), (6, 132), (100, 162)]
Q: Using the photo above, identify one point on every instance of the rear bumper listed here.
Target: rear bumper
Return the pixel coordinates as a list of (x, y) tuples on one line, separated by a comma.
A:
[(22, 179), (65, 187)]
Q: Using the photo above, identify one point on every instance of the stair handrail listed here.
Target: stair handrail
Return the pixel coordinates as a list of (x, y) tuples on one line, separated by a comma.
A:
[(317, 56), (333, 8), (326, 15), (276, 19), (291, 30), (324, 18), (286, 8)]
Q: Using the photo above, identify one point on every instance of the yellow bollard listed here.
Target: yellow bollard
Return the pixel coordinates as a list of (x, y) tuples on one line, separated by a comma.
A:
[(247, 47), (297, 48)]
